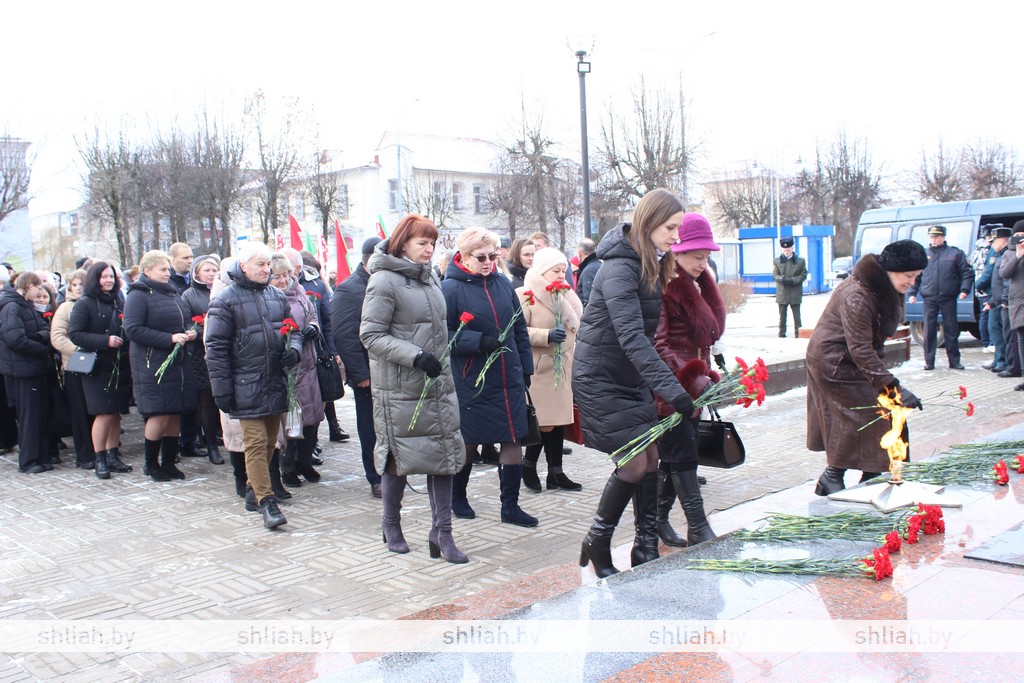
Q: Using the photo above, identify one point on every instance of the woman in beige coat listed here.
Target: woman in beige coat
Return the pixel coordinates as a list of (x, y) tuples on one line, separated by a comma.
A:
[(81, 421), (553, 400)]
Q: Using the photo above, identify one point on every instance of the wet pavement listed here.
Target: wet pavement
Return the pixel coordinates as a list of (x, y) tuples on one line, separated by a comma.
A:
[(76, 548)]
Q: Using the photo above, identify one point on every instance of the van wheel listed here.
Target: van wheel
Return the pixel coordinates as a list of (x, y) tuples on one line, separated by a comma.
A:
[(917, 332)]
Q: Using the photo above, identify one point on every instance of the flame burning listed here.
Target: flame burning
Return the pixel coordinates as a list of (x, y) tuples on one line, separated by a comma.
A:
[(892, 441)]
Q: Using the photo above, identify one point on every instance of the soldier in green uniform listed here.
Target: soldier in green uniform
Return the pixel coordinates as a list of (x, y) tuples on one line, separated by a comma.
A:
[(789, 274)]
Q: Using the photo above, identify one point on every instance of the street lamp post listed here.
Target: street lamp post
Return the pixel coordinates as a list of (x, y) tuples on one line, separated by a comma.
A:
[(581, 47)]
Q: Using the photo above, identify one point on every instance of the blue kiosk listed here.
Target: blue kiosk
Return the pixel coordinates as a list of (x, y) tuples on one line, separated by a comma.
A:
[(759, 247)]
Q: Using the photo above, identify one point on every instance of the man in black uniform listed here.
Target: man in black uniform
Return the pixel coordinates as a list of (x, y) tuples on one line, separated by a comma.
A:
[(947, 278)]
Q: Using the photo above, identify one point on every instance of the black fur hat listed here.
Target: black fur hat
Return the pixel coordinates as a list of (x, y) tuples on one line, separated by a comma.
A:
[(903, 256)]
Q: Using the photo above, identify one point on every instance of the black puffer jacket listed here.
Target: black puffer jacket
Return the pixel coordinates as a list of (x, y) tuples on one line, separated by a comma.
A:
[(24, 337), (244, 346), (153, 312), (346, 314), (93, 321), (616, 366), (197, 298)]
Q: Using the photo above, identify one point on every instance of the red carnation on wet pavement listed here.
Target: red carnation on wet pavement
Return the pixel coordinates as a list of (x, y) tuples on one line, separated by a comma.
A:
[(1018, 462), (892, 542), (1000, 473), (962, 392), (970, 409), (914, 528)]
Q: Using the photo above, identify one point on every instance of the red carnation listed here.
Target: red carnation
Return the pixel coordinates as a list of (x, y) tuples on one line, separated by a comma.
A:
[(531, 299), (1000, 473), (48, 314), (913, 528), (760, 371), (1018, 462), (120, 316), (199, 319), (970, 409), (962, 392), (466, 318), (892, 542)]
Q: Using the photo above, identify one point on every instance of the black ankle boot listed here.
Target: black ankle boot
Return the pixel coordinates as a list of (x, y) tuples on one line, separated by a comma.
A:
[(697, 528), (238, 470), (102, 468), (645, 520), (509, 478), (553, 453), (168, 451), (596, 546), (272, 515), (114, 462), (830, 481), (214, 453), (666, 499)]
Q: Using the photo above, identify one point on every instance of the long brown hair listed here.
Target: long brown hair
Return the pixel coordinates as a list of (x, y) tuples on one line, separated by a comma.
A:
[(653, 211)]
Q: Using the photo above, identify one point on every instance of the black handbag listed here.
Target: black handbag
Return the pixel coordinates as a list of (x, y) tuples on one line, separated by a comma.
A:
[(532, 437), (81, 362), (328, 374), (718, 443)]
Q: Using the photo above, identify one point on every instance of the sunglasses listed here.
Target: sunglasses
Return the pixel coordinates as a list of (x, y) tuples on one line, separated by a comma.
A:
[(484, 258)]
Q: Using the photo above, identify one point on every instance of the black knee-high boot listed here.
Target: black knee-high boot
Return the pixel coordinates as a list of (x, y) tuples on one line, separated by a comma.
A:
[(238, 470), (152, 463), (168, 451), (645, 520), (460, 501), (275, 477), (530, 457), (666, 499), (596, 546), (697, 528)]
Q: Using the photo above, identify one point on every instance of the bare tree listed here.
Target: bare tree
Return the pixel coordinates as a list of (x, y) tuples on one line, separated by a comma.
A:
[(173, 181), (278, 152), (536, 164), (15, 175), (941, 176), (647, 150), (843, 184), (742, 201), (323, 188), (218, 150), (509, 195), (109, 184), (992, 170), (430, 195), (564, 197)]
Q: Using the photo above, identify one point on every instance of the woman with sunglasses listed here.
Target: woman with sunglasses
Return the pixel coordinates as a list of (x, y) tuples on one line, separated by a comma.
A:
[(616, 368), (492, 401)]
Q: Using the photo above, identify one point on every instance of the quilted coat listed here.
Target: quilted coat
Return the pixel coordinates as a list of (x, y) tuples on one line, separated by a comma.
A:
[(404, 314), (616, 366)]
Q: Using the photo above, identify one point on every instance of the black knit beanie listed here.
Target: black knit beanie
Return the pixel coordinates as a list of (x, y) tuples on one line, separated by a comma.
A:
[(903, 256)]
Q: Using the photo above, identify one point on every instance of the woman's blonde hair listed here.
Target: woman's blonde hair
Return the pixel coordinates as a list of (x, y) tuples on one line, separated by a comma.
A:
[(77, 275), (474, 238), (280, 263), (152, 258), (653, 211)]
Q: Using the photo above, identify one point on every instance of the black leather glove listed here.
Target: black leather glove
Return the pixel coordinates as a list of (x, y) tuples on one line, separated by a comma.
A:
[(909, 400), (290, 358), (720, 362), (787, 281), (489, 344), (225, 403), (309, 333), (684, 405), (428, 363), (556, 335), (527, 379)]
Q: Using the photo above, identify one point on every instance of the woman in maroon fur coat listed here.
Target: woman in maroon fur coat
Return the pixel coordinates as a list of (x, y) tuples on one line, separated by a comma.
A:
[(692, 320)]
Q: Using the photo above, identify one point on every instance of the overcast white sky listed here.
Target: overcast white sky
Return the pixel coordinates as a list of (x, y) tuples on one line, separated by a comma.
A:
[(773, 77)]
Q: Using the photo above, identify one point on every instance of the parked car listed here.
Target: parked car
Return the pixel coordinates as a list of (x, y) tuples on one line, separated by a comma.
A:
[(841, 267)]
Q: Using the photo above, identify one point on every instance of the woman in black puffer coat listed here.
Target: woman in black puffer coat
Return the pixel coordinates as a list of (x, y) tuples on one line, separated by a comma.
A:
[(616, 368), (197, 297), (24, 360), (156, 320), (520, 260), (496, 411), (97, 325)]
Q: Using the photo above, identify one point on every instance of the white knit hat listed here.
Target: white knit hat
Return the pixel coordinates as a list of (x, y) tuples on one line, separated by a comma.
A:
[(547, 258)]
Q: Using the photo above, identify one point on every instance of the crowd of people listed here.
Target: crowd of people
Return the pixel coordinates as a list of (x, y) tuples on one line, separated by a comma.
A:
[(494, 350)]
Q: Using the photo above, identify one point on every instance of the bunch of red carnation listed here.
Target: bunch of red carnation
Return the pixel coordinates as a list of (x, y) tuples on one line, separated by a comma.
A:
[(1018, 462), (893, 542), (878, 563), (928, 519), (288, 325), (1000, 473), (752, 378), (557, 287)]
